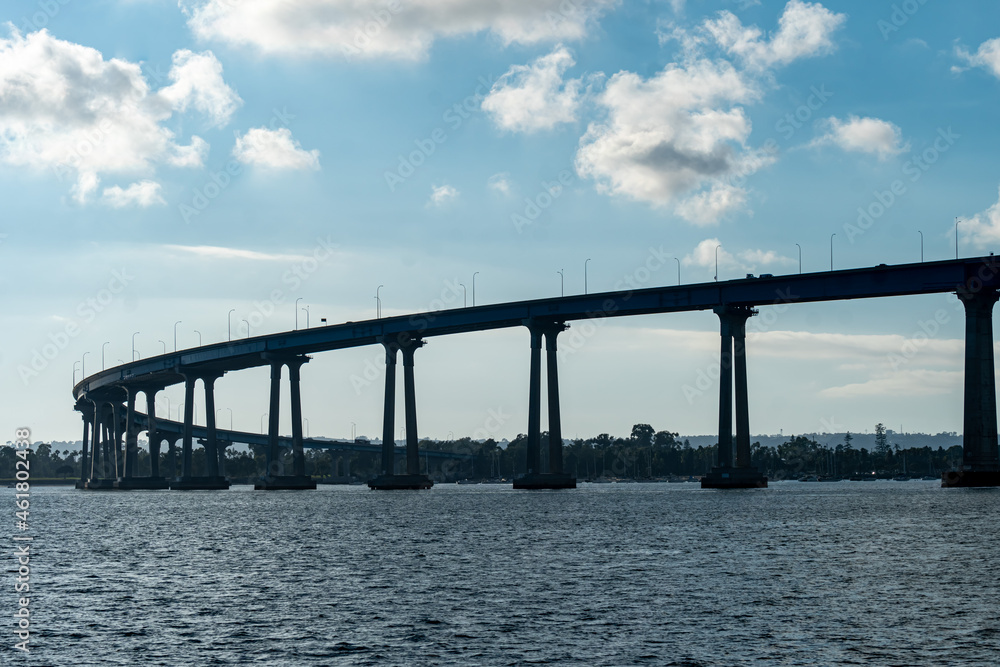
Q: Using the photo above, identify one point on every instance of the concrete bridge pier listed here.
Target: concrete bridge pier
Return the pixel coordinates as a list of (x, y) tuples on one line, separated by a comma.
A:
[(388, 480), (129, 480), (980, 453), (154, 481), (728, 474), (99, 476), (211, 480), (86, 410), (275, 478), (554, 478)]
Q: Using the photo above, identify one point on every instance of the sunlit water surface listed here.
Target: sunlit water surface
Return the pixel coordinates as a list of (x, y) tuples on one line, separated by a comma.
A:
[(847, 573)]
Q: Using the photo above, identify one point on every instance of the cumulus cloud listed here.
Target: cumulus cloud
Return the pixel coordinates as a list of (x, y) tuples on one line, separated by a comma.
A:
[(442, 194), (395, 29), (673, 134), (197, 80), (500, 183), (982, 229), (64, 107), (535, 97), (863, 135), (275, 149), (745, 261), (987, 57), (804, 30), (142, 194)]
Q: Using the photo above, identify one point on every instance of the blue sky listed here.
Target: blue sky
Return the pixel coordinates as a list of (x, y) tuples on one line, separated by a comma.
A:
[(166, 161)]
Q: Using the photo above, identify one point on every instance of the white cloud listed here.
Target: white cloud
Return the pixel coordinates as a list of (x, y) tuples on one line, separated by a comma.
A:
[(500, 183), (804, 30), (442, 194), (394, 29), (535, 97), (197, 80), (275, 149), (982, 229), (64, 107), (219, 252), (910, 382), (863, 135), (745, 261), (674, 134), (987, 57), (709, 207), (142, 194)]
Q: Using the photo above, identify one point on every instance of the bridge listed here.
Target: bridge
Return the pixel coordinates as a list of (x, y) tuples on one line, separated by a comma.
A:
[(107, 399)]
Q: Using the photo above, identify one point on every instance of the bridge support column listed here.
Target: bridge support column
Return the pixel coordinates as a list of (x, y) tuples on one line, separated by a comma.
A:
[(211, 480), (131, 479), (726, 475), (980, 453), (86, 413), (412, 479), (186, 445), (555, 478), (276, 479), (99, 476)]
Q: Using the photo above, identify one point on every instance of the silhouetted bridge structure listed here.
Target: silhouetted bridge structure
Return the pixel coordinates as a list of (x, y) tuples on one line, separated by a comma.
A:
[(108, 399)]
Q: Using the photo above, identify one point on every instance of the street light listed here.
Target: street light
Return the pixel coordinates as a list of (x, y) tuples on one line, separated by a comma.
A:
[(585, 275), (248, 326), (831, 250), (354, 431), (164, 346), (306, 420), (262, 422), (800, 256), (465, 296), (562, 283), (717, 261), (956, 237), (74, 372), (229, 322), (921, 245), (199, 337), (106, 343), (230, 418), (297, 313), (83, 365), (133, 345), (678, 270), (175, 334), (307, 316), (474, 289), (378, 302)]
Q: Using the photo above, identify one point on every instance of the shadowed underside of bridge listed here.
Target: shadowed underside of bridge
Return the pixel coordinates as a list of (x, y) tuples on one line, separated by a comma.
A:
[(107, 399)]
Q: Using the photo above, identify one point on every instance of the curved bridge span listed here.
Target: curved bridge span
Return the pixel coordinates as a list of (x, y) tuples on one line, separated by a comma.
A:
[(108, 399)]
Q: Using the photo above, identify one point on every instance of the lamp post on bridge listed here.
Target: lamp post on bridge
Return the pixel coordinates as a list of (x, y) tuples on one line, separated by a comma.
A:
[(956, 236), (175, 334), (465, 296), (74, 372), (306, 420), (229, 322), (474, 288), (199, 337), (354, 431), (717, 261), (105, 344), (307, 316), (164, 346), (678, 270), (800, 257), (83, 365), (133, 344), (562, 283), (921, 246), (585, 275), (378, 302), (297, 313), (247, 322), (262, 418), (831, 250)]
